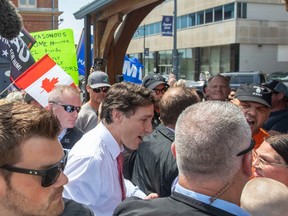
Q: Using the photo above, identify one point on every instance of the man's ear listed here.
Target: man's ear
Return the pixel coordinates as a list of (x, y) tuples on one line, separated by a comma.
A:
[(88, 89), (117, 116), (280, 95), (247, 164), (173, 149)]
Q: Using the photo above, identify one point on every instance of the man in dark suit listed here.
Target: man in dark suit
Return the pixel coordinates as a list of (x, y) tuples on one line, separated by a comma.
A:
[(65, 103), (213, 154), (155, 167)]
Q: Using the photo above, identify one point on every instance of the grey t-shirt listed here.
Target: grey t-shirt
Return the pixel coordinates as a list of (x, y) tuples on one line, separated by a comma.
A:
[(87, 118)]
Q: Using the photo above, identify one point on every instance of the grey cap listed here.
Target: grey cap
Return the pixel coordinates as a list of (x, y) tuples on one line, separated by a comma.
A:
[(98, 79)]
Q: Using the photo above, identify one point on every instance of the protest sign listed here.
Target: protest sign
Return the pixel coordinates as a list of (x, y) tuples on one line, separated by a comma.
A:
[(59, 44)]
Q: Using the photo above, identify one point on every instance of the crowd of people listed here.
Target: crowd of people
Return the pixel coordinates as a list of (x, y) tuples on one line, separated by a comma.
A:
[(159, 148), (150, 149)]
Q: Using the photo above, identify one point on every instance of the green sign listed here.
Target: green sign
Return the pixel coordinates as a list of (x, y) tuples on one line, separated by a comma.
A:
[(59, 45)]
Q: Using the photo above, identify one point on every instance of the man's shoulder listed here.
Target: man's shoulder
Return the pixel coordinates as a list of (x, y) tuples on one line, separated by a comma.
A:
[(74, 208), (176, 204), (160, 133)]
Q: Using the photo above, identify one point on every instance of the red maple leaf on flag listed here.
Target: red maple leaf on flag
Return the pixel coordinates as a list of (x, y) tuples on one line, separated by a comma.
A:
[(48, 84)]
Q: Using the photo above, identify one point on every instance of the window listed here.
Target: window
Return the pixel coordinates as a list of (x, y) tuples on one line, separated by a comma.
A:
[(27, 4), (192, 19), (209, 16), (229, 11), (200, 17), (241, 10), (218, 14), (183, 22)]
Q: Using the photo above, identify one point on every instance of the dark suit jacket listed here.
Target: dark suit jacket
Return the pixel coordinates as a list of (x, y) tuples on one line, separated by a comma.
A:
[(176, 204), (71, 137), (73, 208), (155, 167)]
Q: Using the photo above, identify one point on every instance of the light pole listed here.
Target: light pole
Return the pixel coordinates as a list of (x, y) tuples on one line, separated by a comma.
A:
[(144, 35), (175, 52)]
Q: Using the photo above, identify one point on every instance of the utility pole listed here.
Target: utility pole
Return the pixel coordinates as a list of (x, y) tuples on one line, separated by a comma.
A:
[(175, 52), (144, 49)]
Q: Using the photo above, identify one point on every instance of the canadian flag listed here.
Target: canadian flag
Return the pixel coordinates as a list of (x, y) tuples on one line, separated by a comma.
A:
[(40, 79)]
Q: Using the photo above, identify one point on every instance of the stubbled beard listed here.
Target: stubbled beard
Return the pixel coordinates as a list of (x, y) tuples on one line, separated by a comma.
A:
[(17, 203)]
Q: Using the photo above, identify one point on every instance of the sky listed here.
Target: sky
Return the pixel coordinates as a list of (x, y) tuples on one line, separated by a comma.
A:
[(69, 7)]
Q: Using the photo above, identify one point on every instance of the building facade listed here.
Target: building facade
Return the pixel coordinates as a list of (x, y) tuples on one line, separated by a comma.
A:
[(38, 15), (215, 36)]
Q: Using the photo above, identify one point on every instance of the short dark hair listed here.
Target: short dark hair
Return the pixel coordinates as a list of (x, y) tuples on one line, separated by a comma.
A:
[(19, 122), (125, 97), (280, 144), (171, 105)]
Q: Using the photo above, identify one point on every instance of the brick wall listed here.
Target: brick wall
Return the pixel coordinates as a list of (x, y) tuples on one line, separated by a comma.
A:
[(40, 18)]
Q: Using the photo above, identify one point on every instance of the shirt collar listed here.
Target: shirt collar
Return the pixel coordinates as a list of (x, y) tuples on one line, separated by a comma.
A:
[(108, 139), (218, 203)]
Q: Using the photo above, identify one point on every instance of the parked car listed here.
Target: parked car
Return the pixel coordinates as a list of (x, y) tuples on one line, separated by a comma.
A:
[(245, 77), (279, 76), (200, 85)]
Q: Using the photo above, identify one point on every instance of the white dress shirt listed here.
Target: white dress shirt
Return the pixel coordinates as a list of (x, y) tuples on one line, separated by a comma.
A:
[(93, 175)]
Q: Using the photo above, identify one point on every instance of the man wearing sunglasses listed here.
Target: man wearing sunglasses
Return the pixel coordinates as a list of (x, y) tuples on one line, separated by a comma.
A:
[(158, 85), (32, 163), (97, 87), (94, 165), (213, 165), (65, 103)]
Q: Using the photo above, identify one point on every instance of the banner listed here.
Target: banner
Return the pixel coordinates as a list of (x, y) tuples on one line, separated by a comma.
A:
[(27, 38), (41, 78), (59, 44), (81, 54), (167, 25), (132, 70), (17, 54)]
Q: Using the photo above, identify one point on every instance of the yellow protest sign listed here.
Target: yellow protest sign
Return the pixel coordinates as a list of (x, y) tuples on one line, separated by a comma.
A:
[(60, 46)]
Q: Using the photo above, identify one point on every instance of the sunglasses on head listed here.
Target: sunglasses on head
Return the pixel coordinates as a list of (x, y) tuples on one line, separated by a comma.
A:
[(98, 90), (49, 176), (67, 108)]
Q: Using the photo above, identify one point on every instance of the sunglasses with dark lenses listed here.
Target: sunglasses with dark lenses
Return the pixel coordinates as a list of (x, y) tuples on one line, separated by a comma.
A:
[(250, 148), (68, 108), (103, 89), (49, 176), (162, 91)]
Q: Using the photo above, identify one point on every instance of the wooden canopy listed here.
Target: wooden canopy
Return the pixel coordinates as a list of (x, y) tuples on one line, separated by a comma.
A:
[(114, 23)]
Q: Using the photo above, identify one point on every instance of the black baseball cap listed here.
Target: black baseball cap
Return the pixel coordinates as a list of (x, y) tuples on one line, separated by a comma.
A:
[(152, 80), (277, 86), (254, 93)]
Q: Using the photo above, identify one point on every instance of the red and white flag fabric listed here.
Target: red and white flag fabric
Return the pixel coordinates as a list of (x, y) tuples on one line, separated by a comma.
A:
[(41, 77)]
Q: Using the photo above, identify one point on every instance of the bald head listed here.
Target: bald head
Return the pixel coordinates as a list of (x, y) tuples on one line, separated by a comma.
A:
[(265, 196)]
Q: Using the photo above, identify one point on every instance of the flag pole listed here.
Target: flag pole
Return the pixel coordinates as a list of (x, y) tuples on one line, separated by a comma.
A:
[(7, 88)]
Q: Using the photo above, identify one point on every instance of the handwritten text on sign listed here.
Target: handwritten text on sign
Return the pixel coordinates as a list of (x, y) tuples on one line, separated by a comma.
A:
[(59, 45)]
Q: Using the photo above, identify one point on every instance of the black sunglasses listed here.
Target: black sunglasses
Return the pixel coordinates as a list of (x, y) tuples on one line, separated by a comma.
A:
[(67, 108), (250, 148), (98, 90), (49, 176), (163, 90)]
